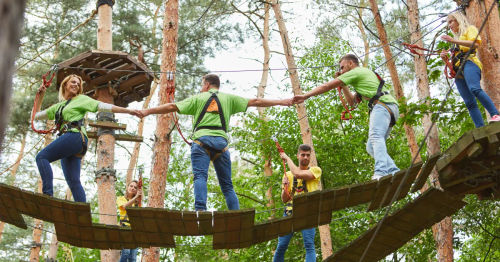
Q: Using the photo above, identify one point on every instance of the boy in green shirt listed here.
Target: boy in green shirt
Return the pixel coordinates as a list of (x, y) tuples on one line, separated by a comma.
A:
[(212, 111)]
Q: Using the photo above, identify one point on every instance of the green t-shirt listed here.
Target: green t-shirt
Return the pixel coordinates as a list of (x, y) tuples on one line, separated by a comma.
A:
[(231, 104), (75, 110), (365, 82)]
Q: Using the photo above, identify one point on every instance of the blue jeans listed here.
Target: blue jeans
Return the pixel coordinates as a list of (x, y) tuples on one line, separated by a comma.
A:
[(307, 237), (200, 161), (377, 135), (64, 147), (469, 88), (128, 255)]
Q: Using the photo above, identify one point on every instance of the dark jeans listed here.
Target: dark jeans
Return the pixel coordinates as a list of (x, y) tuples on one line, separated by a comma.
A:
[(64, 148), (307, 237), (200, 162), (128, 255), (469, 88)]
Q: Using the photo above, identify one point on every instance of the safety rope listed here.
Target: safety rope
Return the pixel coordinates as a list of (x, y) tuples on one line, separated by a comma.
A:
[(448, 70), (348, 109), (46, 82)]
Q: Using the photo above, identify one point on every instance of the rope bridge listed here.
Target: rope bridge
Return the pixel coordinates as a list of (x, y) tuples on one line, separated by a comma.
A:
[(470, 166)]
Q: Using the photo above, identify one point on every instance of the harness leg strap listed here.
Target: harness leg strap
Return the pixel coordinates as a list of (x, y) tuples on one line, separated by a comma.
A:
[(212, 153)]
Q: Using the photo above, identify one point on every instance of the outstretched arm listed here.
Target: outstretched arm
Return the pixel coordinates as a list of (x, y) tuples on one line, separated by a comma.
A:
[(318, 91), (163, 109), (262, 102)]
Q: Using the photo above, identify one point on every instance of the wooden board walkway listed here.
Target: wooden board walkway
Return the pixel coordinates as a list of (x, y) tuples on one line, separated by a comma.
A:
[(400, 227), (469, 166), (157, 226)]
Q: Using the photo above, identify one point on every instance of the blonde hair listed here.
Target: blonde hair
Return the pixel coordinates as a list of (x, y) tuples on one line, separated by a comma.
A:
[(62, 89), (462, 21)]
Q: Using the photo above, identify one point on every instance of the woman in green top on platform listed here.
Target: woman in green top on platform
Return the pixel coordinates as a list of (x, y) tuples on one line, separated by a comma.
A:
[(72, 144)]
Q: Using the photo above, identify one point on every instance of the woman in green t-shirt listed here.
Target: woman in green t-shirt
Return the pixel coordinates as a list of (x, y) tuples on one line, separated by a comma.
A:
[(72, 144), (469, 81)]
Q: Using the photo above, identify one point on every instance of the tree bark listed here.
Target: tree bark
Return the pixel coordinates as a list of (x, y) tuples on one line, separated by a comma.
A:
[(37, 233), (268, 172), (137, 146), (11, 20), (324, 230), (391, 65), (106, 142), (489, 50), (13, 172), (163, 142), (366, 44)]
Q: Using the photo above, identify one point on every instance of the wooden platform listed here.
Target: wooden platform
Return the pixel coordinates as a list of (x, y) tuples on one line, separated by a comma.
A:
[(130, 79), (472, 164), (118, 137), (398, 228)]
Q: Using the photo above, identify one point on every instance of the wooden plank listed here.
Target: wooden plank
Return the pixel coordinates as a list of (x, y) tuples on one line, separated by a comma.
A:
[(9, 214), (425, 172), (306, 211), (405, 187), (190, 221), (383, 186), (493, 145), (361, 193), (107, 124), (118, 137), (340, 198), (205, 219), (134, 81), (474, 150), (456, 152), (114, 75)]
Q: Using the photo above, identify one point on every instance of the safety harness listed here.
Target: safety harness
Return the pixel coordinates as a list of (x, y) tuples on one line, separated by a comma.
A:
[(375, 99), (458, 57), (65, 126), (212, 105)]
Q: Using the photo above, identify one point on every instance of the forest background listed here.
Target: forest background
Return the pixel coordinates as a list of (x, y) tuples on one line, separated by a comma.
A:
[(224, 37)]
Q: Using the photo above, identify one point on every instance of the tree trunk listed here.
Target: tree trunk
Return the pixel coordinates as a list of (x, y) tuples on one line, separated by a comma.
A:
[(366, 44), (268, 172), (140, 129), (391, 65), (105, 177), (489, 50), (305, 130), (163, 142), (37, 233), (11, 20), (13, 172)]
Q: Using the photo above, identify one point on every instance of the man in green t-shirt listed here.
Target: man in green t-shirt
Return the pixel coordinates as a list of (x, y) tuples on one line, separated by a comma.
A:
[(212, 111), (384, 110)]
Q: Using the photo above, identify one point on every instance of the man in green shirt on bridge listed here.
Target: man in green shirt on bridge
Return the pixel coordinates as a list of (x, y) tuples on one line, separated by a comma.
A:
[(383, 106), (212, 111)]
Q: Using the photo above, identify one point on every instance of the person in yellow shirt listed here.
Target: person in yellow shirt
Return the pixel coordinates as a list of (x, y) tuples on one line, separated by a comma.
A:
[(130, 199), (300, 179), (469, 81)]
